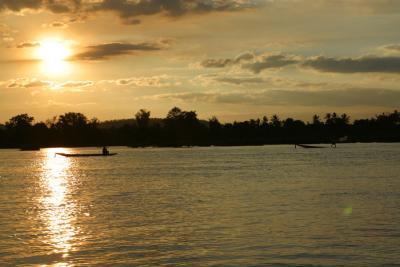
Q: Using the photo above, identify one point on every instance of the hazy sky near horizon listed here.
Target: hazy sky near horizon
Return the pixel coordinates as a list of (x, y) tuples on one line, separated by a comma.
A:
[(234, 59)]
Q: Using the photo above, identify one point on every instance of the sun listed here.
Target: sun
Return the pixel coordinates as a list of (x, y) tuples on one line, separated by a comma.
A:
[(53, 53), (53, 50)]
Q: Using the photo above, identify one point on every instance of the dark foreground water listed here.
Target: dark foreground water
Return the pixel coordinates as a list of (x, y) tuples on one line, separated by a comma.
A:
[(232, 206)]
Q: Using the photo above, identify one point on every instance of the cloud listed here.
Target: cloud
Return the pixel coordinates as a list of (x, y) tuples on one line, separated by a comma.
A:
[(392, 47), (27, 83), (28, 45), (56, 24), (207, 79), (256, 64), (222, 63), (105, 51), (39, 84), (188, 96), (216, 63), (241, 80), (6, 33), (270, 62), (18, 5), (76, 84), (253, 63), (357, 65), (335, 98), (149, 81), (73, 85), (260, 82), (57, 7), (153, 81), (129, 11)]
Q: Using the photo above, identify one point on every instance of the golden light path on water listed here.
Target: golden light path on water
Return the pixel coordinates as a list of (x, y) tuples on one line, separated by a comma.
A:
[(58, 208)]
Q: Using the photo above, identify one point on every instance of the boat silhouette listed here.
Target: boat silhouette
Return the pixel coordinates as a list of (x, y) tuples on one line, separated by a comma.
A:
[(308, 146), (86, 155)]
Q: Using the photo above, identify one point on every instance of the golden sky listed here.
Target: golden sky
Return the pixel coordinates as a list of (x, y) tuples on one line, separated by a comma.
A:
[(234, 59)]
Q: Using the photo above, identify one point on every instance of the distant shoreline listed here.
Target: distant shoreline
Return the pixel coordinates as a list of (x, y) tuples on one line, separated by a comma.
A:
[(182, 128), (327, 145)]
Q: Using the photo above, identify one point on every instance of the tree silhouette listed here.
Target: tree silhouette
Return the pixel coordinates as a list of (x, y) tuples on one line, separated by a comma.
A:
[(142, 118), (316, 120), (20, 121), (275, 121), (184, 128), (20, 130), (72, 120), (75, 129)]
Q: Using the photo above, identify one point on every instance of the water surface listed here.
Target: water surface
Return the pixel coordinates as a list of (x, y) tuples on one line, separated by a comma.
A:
[(217, 206)]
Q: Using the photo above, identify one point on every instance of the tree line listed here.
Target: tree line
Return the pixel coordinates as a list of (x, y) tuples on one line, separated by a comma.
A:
[(183, 128)]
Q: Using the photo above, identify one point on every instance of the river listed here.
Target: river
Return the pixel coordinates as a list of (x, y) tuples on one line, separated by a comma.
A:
[(211, 206)]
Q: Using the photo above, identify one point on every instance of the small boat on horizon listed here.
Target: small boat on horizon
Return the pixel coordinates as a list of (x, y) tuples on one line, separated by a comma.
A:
[(29, 148), (308, 146), (86, 155)]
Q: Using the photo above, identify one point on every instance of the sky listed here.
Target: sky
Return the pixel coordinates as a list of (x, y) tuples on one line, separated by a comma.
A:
[(233, 59)]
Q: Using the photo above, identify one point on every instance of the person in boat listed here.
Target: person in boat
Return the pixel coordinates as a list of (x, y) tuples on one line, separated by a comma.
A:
[(105, 151)]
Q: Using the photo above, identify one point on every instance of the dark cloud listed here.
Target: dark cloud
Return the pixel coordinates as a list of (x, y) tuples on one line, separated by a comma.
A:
[(335, 98), (350, 65), (105, 51), (216, 63), (128, 11), (270, 62), (18, 5), (251, 62), (244, 57), (222, 63), (240, 80), (321, 63), (58, 24), (28, 45), (55, 24), (57, 7)]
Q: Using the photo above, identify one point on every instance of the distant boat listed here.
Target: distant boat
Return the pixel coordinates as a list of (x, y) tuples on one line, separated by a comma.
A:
[(86, 155), (308, 146), (29, 148)]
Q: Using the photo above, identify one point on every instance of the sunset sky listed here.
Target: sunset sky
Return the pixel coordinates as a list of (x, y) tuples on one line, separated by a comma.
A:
[(234, 59)]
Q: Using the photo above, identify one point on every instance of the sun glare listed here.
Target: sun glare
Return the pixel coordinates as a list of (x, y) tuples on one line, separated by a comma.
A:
[(53, 50), (53, 54)]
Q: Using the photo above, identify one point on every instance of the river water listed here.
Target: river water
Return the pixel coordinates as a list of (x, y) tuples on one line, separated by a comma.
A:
[(216, 206)]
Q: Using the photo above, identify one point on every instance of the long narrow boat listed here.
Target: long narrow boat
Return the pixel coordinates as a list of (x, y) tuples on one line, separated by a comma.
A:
[(85, 155), (308, 146), (29, 149)]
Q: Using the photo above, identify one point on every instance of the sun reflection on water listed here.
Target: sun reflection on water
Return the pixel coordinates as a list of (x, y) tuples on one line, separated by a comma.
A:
[(58, 208)]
